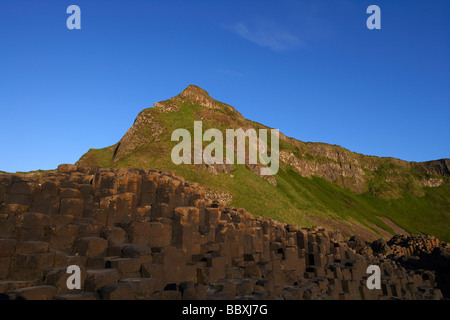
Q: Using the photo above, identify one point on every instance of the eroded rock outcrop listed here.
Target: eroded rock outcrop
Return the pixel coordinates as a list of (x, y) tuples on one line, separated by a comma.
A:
[(145, 234)]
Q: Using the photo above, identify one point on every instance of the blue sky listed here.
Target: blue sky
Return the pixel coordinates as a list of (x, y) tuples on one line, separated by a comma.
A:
[(311, 69)]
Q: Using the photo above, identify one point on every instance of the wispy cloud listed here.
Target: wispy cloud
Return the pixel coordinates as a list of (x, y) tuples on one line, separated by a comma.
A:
[(230, 72), (267, 35)]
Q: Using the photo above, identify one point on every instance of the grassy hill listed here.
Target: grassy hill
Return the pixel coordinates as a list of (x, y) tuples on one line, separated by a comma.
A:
[(317, 183)]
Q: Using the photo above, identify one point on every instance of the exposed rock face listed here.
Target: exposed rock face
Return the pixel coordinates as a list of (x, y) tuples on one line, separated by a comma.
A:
[(345, 172), (440, 167), (145, 234), (198, 95), (353, 171), (135, 137)]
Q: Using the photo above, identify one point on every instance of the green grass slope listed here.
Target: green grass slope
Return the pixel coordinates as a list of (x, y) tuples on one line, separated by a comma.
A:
[(390, 188)]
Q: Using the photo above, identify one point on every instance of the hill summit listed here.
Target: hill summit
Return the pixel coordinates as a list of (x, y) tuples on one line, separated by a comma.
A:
[(197, 94), (317, 183)]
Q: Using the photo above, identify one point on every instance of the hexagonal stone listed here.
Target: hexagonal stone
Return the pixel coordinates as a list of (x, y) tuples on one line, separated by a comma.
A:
[(95, 279), (90, 247)]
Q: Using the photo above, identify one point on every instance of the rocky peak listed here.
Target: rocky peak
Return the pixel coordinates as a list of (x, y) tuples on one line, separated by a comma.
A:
[(195, 92), (192, 95), (197, 95)]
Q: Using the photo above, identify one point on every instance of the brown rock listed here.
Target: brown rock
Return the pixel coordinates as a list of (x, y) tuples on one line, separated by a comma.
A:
[(114, 235), (36, 293), (72, 206), (4, 267), (67, 168), (77, 296), (90, 247), (31, 247), (30, 266), (31, 226), (125, 265), (7, 247), (142, 287), (95, 279), (117, 291), (61, 237)]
